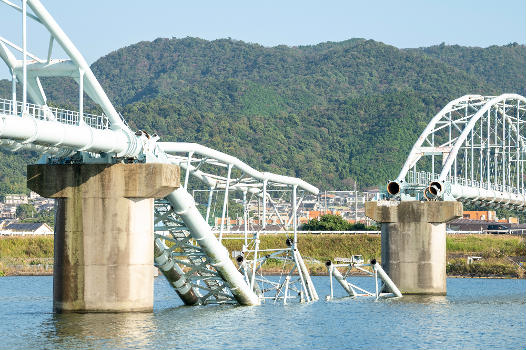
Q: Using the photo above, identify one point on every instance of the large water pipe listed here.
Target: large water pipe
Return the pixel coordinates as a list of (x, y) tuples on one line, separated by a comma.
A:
[(393, 188), (338, 276), (386, 279), (184, 206), (173, 273)]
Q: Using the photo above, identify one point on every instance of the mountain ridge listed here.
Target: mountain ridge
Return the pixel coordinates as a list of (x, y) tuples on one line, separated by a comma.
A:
[(332, 113)]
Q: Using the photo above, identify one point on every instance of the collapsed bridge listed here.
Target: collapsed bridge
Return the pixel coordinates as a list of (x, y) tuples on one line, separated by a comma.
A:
[(105, 178)]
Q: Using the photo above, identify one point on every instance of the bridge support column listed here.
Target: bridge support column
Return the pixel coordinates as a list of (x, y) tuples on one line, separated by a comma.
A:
[(103, 232), (414, 242)]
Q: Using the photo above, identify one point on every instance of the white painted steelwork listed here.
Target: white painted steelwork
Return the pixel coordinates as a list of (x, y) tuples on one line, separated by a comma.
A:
[(69, 136), (211, 276), (387, 290), (75, 67), (56, 134), (174, 273), (184, 206), (211, 156), (473, 150), (122, 142), (222, 174)]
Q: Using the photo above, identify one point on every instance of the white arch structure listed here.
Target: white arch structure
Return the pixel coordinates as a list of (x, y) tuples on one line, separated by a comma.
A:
[(75, 136), (473, 150)]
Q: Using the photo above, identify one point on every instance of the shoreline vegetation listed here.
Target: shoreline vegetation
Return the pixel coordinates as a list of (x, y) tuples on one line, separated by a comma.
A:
[(501, 254)]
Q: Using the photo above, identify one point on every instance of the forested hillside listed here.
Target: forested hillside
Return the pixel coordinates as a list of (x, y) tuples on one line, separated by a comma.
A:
[(332, 113)]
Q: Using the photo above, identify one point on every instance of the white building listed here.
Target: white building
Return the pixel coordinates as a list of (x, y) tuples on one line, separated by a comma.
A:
[(16, 199), (22, 229)]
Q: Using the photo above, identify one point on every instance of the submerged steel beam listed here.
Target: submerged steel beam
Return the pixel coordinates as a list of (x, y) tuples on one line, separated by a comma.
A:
[(184, 205)]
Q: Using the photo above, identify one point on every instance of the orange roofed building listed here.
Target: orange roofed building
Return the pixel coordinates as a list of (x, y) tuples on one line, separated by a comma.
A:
[(485, 215)]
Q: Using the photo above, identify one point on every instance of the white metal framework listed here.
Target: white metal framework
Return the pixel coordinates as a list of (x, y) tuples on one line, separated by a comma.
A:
[(472, 150), (386, 288), (187, 252), (224, 176)]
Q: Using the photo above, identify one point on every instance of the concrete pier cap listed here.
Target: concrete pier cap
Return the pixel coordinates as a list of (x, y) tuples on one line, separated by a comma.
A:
[(103, 259), (414, 242)]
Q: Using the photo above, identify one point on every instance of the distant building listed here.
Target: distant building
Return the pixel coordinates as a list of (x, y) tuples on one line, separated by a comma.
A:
[(5, 222), (22, 229), (484, 215), (513, 220), (8, 212), (487, 215), (313, 214), (15, 199), (34, 195)]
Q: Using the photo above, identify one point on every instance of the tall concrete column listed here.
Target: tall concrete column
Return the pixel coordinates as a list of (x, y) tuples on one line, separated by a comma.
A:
[(103, 232), (414, 242)]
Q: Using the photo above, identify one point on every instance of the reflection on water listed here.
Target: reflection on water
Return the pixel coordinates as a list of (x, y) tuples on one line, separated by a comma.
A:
[(422, 299), (476, 314), (105, 330)]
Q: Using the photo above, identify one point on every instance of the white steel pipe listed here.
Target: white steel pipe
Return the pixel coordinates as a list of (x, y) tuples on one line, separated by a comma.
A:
[(461, 192), (306, 275), (338, 276), (91, 82), (413, 155), (184, 205), (60, 135), (302, 278), (286, 293), (173, 273), (13, 91), (185, 147), (24, 59), (16, 146), (452, 156), (385, 278)]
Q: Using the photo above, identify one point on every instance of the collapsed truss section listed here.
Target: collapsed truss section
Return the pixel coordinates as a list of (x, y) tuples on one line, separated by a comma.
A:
[(185, 264), (208, 166), (384, 286)]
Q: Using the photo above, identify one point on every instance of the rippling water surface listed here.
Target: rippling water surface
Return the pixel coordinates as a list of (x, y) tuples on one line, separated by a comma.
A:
[(476, 314)]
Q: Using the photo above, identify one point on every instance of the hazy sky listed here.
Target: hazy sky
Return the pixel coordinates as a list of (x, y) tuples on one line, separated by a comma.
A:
[(98, 27)]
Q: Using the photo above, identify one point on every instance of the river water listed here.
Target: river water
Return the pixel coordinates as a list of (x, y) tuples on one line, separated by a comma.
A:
[(476, 314)]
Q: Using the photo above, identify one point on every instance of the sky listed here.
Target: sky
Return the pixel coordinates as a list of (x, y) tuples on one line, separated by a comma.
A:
[(98, 27)]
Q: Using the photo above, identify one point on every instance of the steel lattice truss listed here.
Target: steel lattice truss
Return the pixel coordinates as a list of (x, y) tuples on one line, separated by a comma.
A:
[(472, 150), (219, 176)]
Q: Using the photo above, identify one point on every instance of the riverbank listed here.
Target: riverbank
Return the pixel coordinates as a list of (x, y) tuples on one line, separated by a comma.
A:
[(501, 255)]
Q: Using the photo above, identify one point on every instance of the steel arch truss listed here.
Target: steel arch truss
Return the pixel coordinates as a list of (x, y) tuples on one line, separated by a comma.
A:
[(472, 150)]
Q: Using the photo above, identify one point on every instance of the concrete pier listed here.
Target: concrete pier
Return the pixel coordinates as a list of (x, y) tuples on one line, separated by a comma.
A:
[(414, 242), (103, 232)]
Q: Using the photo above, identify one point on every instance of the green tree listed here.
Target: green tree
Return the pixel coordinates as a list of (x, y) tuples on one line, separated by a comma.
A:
[(24, 211), (45, 216), (327, 222)]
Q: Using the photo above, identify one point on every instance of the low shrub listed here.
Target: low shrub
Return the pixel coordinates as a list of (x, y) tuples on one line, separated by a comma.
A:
[(459, 267)]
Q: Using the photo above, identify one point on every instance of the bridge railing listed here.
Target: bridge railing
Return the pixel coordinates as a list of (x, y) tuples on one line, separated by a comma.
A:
[(423, 178), (60, 115)]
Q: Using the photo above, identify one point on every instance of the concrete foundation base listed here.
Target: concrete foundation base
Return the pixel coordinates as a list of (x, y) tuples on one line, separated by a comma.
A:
[(414, 242), (103, 232)]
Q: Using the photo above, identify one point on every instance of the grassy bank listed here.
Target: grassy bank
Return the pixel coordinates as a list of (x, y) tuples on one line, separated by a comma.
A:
[(26, 247), (26, 255), (321, 247), (486, 245), (501, 253)]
